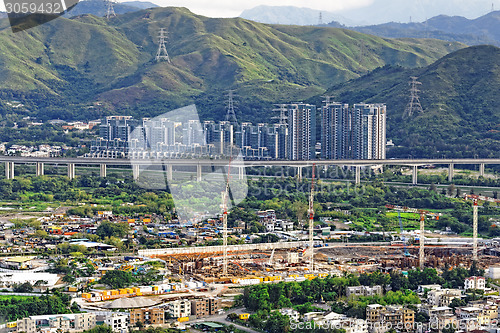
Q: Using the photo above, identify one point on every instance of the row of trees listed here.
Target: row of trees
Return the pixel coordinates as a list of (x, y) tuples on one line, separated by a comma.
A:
[(121, 279), (17, 308), (301, 295)]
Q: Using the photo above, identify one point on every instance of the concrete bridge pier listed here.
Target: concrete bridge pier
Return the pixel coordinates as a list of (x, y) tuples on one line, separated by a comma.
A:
[(482, 167), (136, 171), (71, 171), (358, 175), (299, 172), (102, 170), (39, 169), (415, 175), (451, 172), (170, 172), (241, 173), (198, 173), (9, 170)]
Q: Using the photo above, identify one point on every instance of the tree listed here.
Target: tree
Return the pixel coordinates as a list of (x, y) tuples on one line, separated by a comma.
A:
[(421, 317), (108, 229), (448, 329), (69, 278), (277, 323), (25, 287), (118, 279), (41, 234), (457, 302), (399, 281), (475, 271), (451, 189)]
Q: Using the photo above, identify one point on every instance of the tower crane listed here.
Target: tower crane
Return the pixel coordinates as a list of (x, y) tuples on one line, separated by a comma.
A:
[(225, 198), (311, 220), (406, 253)]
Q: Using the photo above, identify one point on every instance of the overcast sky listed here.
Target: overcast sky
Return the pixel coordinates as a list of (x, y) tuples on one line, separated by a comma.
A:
[(233, 8)]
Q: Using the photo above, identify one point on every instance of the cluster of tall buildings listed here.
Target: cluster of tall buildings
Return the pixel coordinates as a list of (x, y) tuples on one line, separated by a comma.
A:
[(355, 133), (347, 132)]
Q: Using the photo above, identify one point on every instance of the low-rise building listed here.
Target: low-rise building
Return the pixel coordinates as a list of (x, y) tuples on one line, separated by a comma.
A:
[(285, 225), (363, 291), (179, 308), (152, 316), (77, 322), (475, 282), (383, 318), (443, 297), (118, 322), (17, 263), (335, 321), (205, 306), (469, 317), (423, 287), (294, 315), (373, 312), (441, 317), (26, 325)]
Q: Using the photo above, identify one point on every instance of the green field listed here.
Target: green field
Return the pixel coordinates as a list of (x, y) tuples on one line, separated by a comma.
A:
[(13, 297)]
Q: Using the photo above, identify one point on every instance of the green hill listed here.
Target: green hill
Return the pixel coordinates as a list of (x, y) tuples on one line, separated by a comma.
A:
[(460, 99), (86, 66)]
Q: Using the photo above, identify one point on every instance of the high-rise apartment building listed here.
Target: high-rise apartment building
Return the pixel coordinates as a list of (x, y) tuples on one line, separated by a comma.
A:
[(369, 131), (301, 131), (357, 133), (117, 127), (334, 131), (277, 142)]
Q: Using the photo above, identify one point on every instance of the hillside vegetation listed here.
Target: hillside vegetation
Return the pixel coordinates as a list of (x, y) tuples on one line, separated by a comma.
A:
[(87, 66), (460, 99)]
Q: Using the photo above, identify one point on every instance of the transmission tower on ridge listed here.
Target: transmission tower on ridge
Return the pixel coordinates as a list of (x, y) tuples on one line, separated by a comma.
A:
[(320, 21), (328, 99), (231, 115), (282, 109), (414, 106), (110, 9), (162, 53)]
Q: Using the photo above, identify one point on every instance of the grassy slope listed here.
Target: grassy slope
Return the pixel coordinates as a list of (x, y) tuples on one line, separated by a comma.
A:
[(265, 63), (459, 96)]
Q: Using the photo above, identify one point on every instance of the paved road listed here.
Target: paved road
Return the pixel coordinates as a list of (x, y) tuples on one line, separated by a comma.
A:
[(222, 319)]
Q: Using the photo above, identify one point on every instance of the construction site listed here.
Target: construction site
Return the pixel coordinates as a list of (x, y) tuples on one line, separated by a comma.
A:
[(300, 260)]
